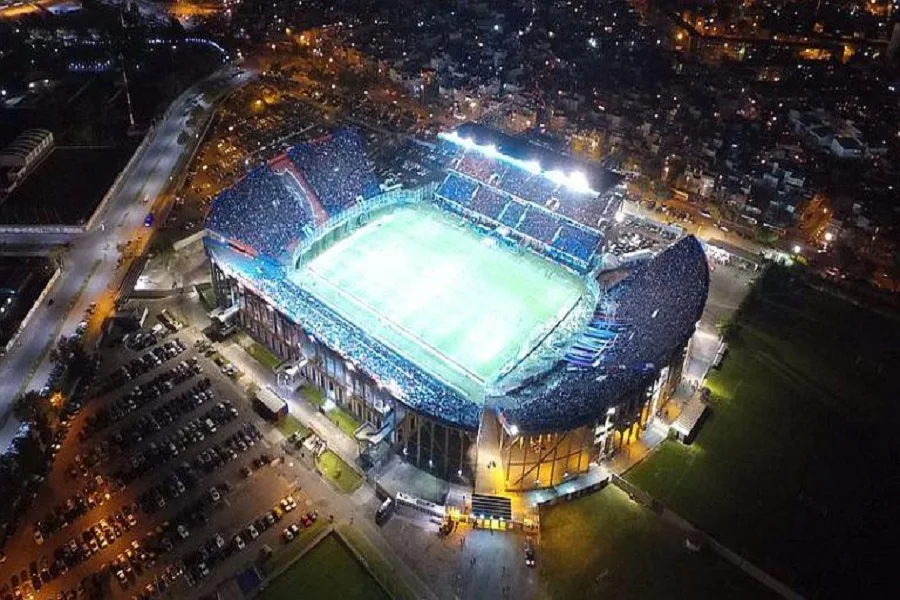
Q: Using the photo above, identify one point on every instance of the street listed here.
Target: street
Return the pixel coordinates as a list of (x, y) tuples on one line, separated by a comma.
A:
[(90, 272)]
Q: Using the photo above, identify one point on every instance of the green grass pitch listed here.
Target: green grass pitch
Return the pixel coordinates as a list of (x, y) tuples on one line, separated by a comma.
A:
[(441, 295)]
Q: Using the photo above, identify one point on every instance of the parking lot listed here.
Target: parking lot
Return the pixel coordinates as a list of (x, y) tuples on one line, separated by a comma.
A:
[(163, 477)]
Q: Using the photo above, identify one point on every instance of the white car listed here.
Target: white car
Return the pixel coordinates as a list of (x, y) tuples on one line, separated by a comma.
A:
[(214, 494)]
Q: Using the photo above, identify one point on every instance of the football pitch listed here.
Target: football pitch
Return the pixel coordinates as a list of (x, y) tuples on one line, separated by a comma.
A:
[(440, 294)]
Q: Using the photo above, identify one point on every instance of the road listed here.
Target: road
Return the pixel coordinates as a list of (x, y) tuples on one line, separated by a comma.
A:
[(90, 271)]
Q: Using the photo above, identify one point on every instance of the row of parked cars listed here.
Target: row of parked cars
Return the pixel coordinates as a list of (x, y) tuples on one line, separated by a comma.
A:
[(94, 492), (141, 394), (162, 416), (78, 549), (159, 453)]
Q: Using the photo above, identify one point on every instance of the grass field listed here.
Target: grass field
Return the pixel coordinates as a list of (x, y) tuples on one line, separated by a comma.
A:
[(263, 356), (338, 471), (290, 425), (345, 421), (380, 568), (439, 293), (794, 469), (327, 571), (284, 555), (634, 553)]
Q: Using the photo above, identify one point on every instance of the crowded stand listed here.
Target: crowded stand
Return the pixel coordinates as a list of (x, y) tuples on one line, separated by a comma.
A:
[(279, 204), (528, 186), (560, 240), (657, 308), (478, 167), (417, 388), (577, 242), (540, 225), (457, 189), (512, 213), (552, 191), (337, 168), (261, 213), (489, 203)]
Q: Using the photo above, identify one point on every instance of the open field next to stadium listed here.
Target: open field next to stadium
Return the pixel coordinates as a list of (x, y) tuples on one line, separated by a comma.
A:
[(440, 294), (794, 469), (329, 570), (604, 545)]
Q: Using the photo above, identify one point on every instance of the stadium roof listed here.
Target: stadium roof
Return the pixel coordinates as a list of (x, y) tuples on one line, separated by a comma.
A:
[(599, 178), (660, 304)]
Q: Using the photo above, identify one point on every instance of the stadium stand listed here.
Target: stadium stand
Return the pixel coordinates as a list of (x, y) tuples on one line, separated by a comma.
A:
[(457, 189), (418, 389), (337, 169), (577, 242), (512, 213), (658, 306), (539, 225), (488, 202), (260, 213), (279, 204)]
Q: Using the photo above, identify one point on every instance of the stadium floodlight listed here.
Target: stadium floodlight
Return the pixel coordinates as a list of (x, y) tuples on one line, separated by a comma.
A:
[(578, 182), (533, 166), (829, 236), (797, 248), (557, 177), (513, 430)]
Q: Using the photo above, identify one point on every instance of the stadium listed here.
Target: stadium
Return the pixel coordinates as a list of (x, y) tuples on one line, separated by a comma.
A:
[(475, 325)]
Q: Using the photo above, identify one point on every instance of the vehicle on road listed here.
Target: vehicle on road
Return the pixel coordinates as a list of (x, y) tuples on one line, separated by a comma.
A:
[(529, 552)]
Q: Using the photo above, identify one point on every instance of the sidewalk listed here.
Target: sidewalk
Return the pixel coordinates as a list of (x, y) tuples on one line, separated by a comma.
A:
[(298, 406)]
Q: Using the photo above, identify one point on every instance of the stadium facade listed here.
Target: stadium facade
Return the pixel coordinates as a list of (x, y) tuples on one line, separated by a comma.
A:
[(405, 307)]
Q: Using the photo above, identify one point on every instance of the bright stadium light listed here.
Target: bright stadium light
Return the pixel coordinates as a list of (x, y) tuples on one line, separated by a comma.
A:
[(579, 182), (829, 236), (533, 166), (513, 430), (557, 177), (797, 248)]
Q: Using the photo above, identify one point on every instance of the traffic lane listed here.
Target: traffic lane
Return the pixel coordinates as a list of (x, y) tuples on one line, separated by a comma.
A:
[(149, 163), (153, 169)]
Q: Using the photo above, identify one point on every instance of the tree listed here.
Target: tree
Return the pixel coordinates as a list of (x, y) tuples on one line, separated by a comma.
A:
[(57, 255)]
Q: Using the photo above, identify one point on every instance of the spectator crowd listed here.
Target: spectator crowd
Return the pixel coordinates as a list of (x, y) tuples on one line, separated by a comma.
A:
[(280, 203), (655, 311)]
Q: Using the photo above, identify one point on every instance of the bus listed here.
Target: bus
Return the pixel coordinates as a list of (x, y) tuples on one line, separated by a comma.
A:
[(423, 506)]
